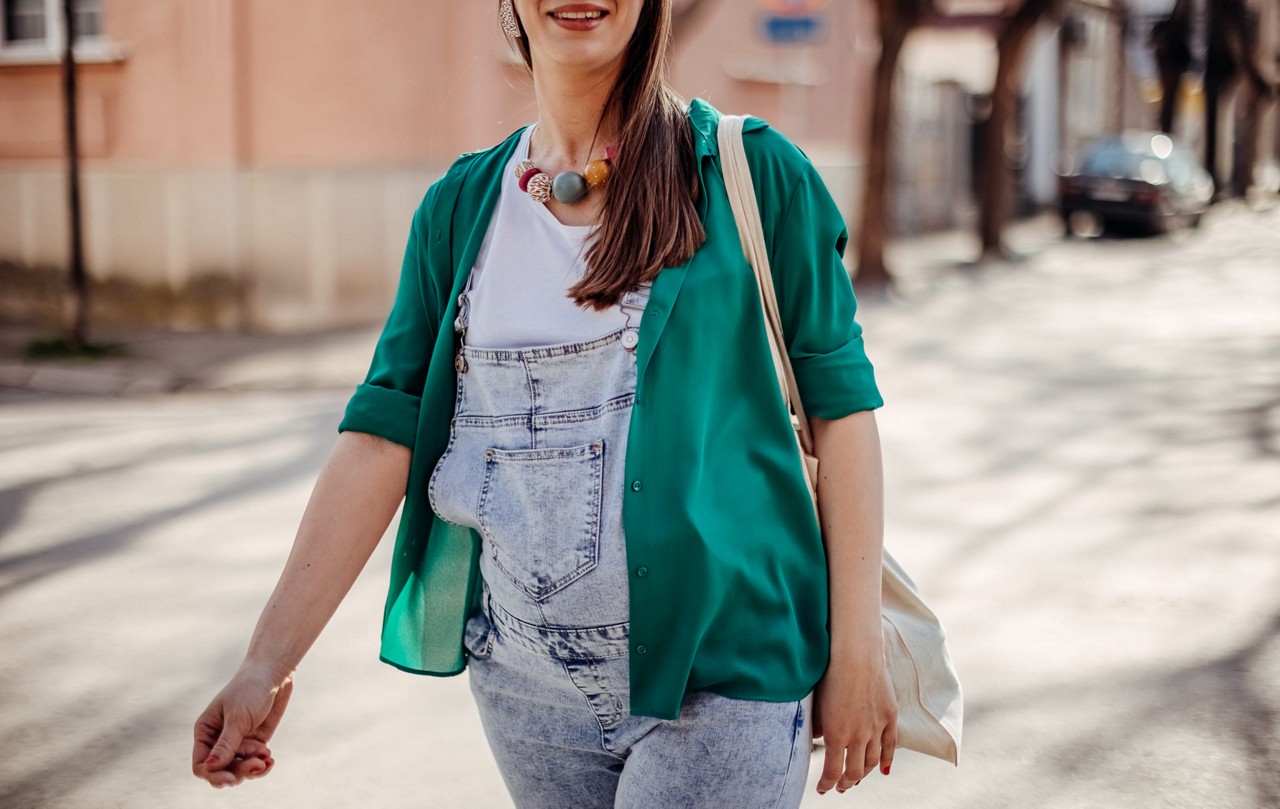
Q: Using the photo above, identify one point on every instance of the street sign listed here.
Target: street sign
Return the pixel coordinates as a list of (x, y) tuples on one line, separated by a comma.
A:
[(792, 30)]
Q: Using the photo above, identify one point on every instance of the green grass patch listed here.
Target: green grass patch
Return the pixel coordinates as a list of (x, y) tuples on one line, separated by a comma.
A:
[(58, 348)]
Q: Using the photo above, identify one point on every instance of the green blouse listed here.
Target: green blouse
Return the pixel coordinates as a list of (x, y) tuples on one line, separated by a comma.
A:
[(728, 589)]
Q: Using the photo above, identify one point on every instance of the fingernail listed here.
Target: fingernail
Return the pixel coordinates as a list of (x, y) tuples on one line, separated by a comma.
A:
[(211, 759), (859, 781), (886, 769)]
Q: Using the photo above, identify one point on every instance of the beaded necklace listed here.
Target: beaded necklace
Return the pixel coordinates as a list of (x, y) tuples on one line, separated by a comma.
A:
[(567, 186)]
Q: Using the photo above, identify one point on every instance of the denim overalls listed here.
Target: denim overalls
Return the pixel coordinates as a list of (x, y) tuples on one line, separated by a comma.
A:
[(535, 463)]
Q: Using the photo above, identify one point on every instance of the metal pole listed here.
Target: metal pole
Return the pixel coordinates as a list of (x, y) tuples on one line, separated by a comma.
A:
[(77, 303)]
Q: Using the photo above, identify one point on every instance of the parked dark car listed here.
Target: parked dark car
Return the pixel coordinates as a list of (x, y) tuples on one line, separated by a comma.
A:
[(1139, 178)]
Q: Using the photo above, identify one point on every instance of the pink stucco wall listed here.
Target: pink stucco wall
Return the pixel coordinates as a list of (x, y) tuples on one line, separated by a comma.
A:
[(276, 148), (331, 83)]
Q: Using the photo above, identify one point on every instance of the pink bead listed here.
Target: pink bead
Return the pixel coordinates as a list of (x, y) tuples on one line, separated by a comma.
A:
[(609, 152)]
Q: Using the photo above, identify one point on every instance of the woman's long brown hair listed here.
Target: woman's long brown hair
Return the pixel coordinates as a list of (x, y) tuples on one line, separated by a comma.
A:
[(650, 218)]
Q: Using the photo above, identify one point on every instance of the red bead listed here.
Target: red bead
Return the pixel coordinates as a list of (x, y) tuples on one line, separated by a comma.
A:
[(528, 175)]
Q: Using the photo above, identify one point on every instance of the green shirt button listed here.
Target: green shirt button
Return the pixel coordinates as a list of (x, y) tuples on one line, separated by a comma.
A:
[(635, 485), (642, 572), (642, 649)]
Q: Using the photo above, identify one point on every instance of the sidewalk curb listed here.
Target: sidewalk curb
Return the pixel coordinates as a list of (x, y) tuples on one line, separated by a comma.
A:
[(46, 377)]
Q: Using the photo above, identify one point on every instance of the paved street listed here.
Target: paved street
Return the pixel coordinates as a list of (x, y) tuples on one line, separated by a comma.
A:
[(1082, 453)]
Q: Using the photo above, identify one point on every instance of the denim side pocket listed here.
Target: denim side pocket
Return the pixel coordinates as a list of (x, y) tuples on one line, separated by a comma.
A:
[(477, 636)]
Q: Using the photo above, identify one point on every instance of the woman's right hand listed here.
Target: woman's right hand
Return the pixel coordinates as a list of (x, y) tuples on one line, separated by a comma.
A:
[(357, 493), (231, 734)]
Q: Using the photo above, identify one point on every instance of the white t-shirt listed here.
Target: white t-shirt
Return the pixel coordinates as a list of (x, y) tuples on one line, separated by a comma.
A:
[(520, 282)]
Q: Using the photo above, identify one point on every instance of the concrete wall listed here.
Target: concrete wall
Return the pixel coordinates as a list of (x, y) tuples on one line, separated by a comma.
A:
[(307, 248)]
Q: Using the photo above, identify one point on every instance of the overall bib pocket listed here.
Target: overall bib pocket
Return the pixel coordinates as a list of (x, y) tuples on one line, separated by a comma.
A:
[(540, 511)]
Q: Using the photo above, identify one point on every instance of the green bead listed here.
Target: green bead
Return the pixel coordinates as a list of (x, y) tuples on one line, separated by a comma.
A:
[(569, 187)]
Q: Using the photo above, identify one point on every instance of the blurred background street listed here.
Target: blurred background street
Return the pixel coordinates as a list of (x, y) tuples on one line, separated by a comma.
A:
[(1064, 221)]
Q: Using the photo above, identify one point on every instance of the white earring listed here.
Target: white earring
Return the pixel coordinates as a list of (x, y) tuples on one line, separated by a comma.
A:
[(507, 13)]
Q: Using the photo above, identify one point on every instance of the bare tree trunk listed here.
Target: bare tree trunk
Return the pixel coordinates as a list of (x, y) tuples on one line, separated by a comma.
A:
[(996, 188), (1218, 72), (895, 23), (76, 314), (1171, 38), (1248, 122), (1234, 59)]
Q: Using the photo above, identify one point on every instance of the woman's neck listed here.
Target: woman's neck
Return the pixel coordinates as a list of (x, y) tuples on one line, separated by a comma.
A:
[(570, 131)]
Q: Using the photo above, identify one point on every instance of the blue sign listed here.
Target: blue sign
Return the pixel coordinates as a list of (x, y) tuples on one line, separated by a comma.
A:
[(792, 30)]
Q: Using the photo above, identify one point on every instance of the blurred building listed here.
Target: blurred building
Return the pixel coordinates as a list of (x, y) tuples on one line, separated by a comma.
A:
[(255, 163), (266, 156)]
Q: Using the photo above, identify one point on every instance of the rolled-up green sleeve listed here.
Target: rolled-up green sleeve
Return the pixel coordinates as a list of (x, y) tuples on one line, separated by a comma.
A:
[(817, 305), (388, 402)]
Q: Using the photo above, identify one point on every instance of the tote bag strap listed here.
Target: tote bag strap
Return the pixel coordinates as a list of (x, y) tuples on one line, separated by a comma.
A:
[(742, 199), (930, 704)]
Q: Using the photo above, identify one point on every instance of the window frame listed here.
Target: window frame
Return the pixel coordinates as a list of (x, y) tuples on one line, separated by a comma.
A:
[(88, 47)]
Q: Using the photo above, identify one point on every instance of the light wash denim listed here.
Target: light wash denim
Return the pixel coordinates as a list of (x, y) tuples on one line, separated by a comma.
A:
[(535, 464)]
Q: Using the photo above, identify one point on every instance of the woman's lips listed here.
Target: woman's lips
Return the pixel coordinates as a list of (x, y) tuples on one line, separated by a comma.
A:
[(578, 18)]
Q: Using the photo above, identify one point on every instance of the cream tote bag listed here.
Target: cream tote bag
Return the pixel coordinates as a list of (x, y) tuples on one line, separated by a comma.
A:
[(930, 706)]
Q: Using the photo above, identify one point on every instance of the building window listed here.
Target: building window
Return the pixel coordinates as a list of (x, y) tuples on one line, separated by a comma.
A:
[(24, 21), (88, 17), (38, 23)]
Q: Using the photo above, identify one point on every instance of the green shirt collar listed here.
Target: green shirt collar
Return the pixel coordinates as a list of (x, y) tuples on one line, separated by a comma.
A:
[(706, 121)]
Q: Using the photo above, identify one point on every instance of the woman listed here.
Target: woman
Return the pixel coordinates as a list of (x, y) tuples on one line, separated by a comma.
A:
[(577, 345)]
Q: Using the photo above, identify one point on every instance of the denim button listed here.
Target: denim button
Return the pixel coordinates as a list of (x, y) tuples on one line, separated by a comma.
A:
[(635, 485), (642, 572), (642, 649)]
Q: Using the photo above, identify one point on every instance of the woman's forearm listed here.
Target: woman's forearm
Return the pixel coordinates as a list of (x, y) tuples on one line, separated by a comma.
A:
[(851, 505), (354, 499)]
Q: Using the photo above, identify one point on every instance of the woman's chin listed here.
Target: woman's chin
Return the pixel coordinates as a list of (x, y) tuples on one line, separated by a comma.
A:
[(583, 56)]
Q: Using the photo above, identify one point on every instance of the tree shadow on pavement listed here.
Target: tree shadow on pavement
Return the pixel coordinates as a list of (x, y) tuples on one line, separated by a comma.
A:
[(102, 743), (23, 569), (1213, 700)]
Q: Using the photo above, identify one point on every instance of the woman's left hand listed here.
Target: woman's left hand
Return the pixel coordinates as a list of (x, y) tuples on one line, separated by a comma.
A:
[(855, 712)]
